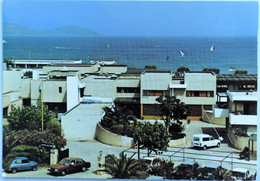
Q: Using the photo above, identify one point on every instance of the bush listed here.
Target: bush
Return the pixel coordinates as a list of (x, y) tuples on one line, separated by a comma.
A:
[(216, 70), (151, 67), (176, 130), (36, 138), (241, 72), (163, 168), (54, 126), (183, 69)]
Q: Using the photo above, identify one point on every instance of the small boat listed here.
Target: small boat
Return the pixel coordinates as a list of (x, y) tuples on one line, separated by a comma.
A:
[(182, 54), (212, 48), (108, 46), (5, 41), (232, 69)]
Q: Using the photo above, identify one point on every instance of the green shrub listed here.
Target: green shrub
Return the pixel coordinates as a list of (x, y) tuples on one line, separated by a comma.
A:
[(216, 70), (54, 126), (241, 72), (163, 168), (183, 69)]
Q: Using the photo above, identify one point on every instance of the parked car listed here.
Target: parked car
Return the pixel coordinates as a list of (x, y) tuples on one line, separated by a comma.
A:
[(204, 141), (186, 170), (69, 165), (211, 172), (21, 164), (240, 174)]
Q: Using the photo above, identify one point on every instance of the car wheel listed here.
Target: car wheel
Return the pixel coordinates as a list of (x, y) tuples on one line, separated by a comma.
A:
[(14, 170), (63, 173), (34, 168), (218, 145), (204, 147), (84, 169)]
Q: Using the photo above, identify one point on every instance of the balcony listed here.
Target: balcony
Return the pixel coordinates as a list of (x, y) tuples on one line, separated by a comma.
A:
[(241, 119), (220, 112), (178, 85)]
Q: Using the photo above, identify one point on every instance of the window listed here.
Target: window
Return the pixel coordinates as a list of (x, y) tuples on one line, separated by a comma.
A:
[(25, 161), (206, 139), (60, 89), (199, 93), (128, 90), (156, 93)]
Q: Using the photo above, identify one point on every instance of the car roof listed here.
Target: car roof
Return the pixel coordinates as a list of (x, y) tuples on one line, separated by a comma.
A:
[(72, 158), (21, 158), (240, 170), (212, 166), (188, 162), (201, 135)]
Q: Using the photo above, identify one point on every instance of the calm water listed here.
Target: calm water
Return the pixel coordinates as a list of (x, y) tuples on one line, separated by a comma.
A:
[(237, 52)]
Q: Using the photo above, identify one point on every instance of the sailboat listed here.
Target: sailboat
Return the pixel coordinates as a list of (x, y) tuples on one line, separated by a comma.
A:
[(212, 48), (108, 46), (167, 58), (5, 41), (182, 54)]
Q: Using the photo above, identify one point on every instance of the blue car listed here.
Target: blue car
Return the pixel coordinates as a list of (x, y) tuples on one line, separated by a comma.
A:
[(21, 164)]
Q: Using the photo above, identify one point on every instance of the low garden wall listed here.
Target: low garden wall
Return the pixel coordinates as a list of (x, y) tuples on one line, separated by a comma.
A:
[(240, 142), (213, 119), (178, 142), (110, 138)]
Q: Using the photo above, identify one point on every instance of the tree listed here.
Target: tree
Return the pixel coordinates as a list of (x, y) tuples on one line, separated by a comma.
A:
[(172, 108), (183, 69), (154, 137), (151, 67), (122, 167), (241, 72), (216, 70), (29, 117), (117, 115)]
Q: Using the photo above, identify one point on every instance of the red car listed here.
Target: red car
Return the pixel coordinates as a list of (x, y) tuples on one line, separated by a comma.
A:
[(69, 165)]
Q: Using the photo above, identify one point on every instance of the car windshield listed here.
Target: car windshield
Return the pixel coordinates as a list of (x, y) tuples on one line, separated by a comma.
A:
[(238, 174), (64, 162), (196, 139)]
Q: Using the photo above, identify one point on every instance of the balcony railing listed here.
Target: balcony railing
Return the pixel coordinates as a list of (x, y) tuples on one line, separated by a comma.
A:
[(241, 119)]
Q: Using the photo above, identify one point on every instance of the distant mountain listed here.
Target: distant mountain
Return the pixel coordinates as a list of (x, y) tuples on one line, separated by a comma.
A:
[(10, 29)]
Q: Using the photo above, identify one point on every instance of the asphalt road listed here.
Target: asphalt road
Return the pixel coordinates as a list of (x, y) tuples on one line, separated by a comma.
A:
[(89, 150)]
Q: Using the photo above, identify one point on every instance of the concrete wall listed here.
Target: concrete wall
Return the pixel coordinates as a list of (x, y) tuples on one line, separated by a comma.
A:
[(26, 88), (213, 119), (83, 69), (178, 142), (72, 92), (80, 122), (101, 87), (110, 138), (199, 82), (154, 81), (35, 94), (51, 91), (240, 142), (12, 81), (113, 69)]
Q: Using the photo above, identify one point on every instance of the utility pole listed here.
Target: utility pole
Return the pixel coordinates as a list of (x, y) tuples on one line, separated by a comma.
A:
[(42, 103)]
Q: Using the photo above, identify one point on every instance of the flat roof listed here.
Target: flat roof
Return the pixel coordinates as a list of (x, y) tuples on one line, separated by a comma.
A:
[(44, 61), (236, 78)]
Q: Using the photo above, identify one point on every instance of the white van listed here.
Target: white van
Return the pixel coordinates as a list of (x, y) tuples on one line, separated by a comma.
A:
[(204, 141)]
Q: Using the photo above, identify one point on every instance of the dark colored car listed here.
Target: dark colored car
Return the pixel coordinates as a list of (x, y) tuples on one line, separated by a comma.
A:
[(21, 164), (69, 165)]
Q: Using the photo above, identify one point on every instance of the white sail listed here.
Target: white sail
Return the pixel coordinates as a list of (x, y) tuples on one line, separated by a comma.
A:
[(108, 46), (212, 48), (182, 54), (5, 41)]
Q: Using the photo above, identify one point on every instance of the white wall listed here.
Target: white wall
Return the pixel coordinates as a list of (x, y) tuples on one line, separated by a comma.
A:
[(72, 92)]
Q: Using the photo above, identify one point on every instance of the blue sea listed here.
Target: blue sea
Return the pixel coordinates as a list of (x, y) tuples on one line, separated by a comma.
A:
[(164, 52)]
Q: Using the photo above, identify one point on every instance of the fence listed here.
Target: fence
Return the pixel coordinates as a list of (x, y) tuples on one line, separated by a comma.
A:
[(181, 154)]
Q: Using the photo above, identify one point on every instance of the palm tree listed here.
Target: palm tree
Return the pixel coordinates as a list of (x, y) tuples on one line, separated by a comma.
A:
[(9, 143), (122, 167), (117, 115)]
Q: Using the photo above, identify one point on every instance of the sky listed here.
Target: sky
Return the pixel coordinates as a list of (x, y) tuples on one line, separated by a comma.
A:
[(135, 18)]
